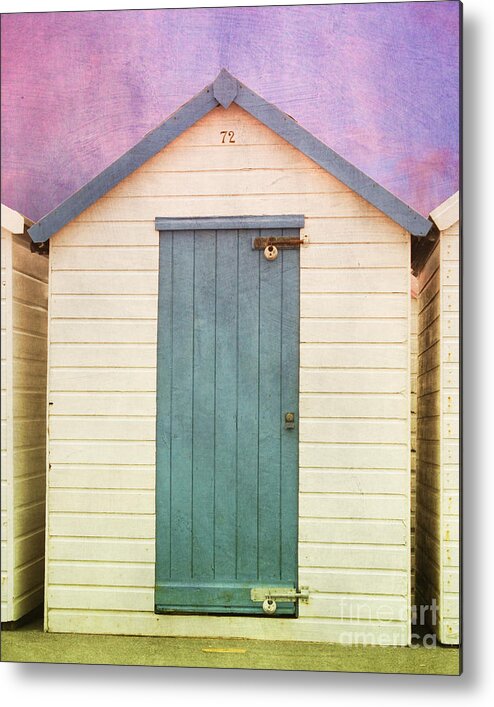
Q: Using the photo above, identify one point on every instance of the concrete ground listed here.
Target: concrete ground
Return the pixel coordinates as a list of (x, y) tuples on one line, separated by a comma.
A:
[(29, 644)]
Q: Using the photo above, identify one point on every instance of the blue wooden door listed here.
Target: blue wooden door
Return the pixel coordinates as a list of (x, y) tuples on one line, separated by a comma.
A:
[(227, 466)]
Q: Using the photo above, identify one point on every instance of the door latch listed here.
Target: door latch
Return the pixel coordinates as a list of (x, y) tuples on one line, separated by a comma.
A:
[(269, 595), (280, 243)]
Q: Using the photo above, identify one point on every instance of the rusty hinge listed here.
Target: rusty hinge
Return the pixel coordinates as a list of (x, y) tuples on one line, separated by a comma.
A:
[(280, 243)]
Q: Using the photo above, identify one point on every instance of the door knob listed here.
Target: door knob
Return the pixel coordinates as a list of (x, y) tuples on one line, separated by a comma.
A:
[(289, 420)]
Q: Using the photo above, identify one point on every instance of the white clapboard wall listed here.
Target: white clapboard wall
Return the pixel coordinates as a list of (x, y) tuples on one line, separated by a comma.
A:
[(354, 526), (438, 444), (24, 348)]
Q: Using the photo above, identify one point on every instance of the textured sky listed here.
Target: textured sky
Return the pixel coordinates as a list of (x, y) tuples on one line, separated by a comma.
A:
[(379, 83)]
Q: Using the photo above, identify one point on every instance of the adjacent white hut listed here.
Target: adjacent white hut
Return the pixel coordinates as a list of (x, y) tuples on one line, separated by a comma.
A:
[(24, 346), (229, 427), (413, 430), (437, 264)]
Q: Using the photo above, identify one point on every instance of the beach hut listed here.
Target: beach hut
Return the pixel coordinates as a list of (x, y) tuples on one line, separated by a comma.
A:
[(437, 265), (229, 387), (24, 346)]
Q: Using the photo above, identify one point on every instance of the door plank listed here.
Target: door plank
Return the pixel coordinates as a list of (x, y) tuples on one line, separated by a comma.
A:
[(248, 405), (226, 405), (163, 412), (181, 405), (269, 415), (203, 406)]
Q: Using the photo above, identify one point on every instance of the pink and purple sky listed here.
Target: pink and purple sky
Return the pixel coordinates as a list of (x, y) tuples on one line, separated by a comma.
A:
[(379, 83)]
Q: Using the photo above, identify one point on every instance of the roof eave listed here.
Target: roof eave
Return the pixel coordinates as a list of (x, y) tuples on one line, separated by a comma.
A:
[(447, 213), (13, 221)]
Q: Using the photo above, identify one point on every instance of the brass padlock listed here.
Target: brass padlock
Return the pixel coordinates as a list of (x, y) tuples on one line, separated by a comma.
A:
[(269, 606), (271, 252)]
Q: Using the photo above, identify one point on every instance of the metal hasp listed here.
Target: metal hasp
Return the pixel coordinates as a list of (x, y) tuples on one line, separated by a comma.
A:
[(279, 242), (269, 595)]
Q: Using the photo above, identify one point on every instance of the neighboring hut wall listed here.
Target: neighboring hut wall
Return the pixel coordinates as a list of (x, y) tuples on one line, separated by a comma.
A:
[(30, 287), (413, 440), (449, 624), (23, 467), (354, 523), (438, 436), (6, 430), (428, 479)]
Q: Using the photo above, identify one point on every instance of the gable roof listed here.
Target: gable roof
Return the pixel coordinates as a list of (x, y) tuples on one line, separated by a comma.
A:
[(224, 91)]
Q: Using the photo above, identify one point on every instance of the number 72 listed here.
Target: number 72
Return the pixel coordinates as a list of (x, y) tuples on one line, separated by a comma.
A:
[(230, 134)]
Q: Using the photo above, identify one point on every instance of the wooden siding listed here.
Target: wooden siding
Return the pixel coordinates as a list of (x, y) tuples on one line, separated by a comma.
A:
[(23, 474), (438, 478), (354, 393)]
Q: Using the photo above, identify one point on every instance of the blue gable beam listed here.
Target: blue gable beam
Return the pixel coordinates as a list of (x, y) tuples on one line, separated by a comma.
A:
[(224, 91), (332, 162)]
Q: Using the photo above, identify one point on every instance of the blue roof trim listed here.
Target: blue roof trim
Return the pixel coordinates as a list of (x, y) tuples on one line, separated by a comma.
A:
[(332, 162), (223, 91), (225, 88)]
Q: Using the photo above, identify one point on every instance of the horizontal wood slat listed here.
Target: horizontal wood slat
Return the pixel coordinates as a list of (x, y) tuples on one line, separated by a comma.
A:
[(379, 405), (351, 355), (147, 207)]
